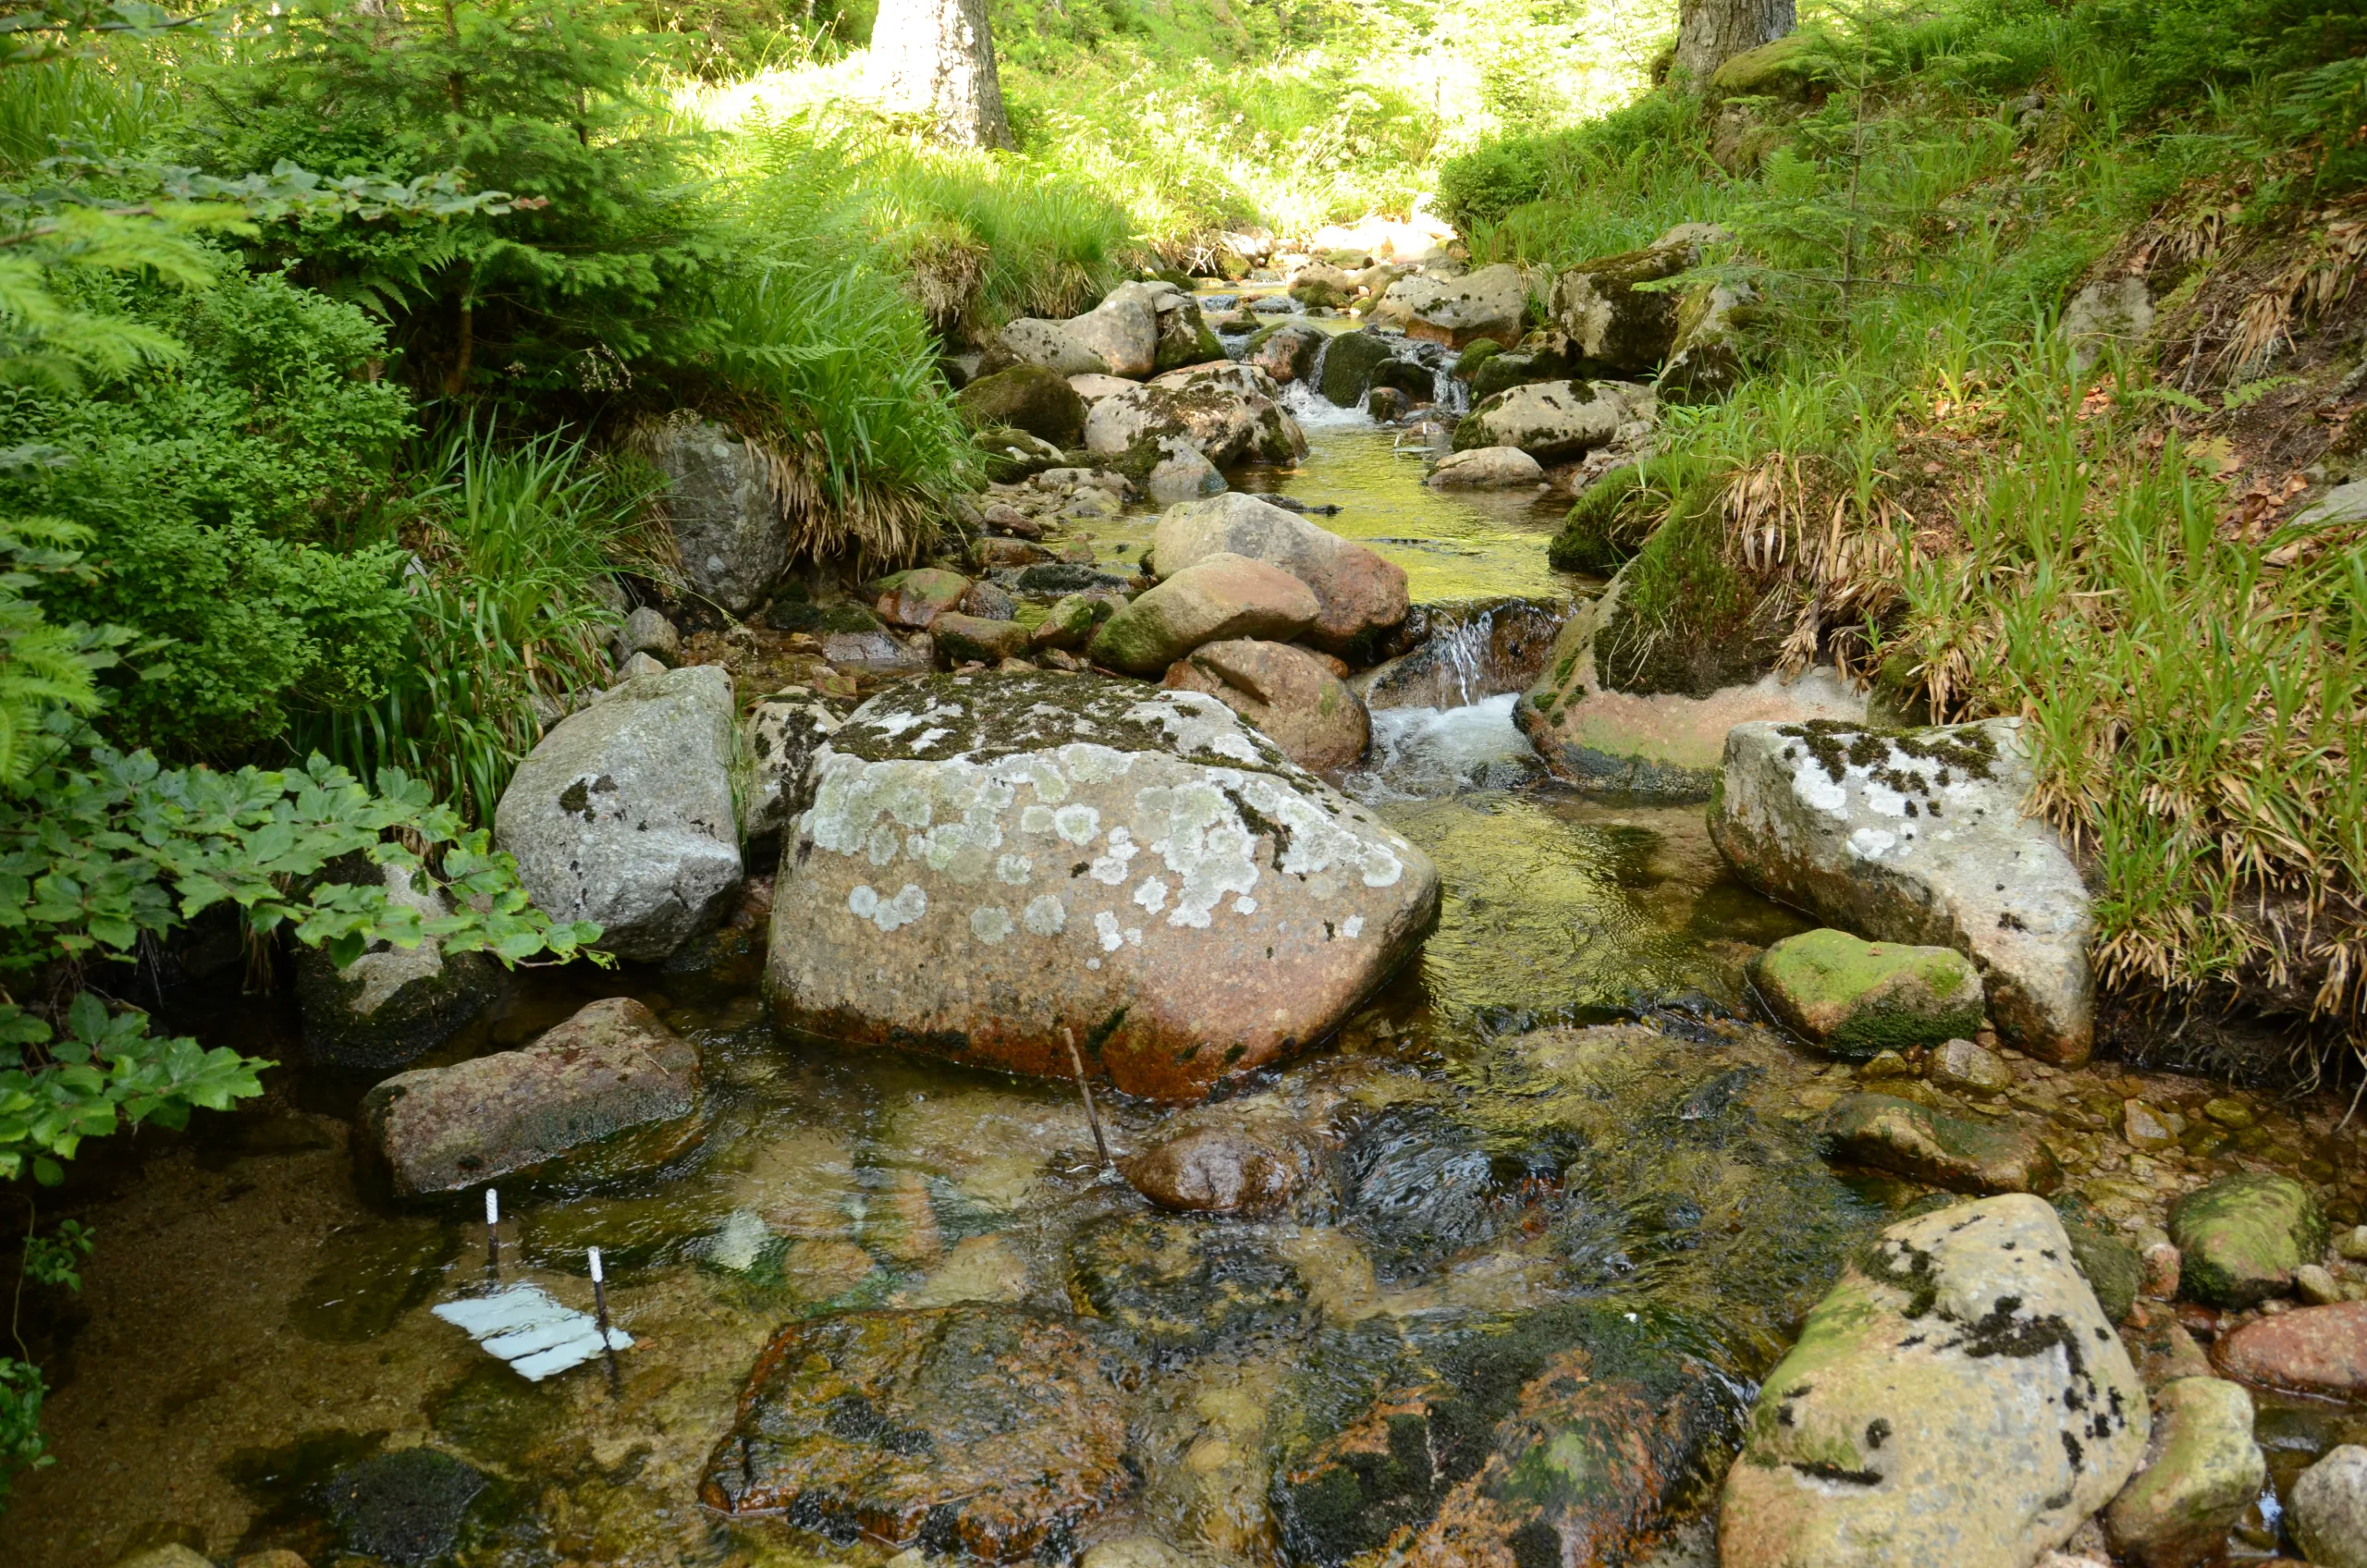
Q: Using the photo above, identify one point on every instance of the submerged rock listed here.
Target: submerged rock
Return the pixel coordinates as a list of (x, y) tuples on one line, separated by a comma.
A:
[(1292, 696), (391, 1005), (2318, 1350), (2201, 1470), (1177, 1285), (995, 868), (978, 1429), (610, 1090), (624, 813), (1359, 596), (2240, 1238), (401, 1508), (1222, 1161), (1487, 468), (915, 598), (1919, 836), (1216, 598), (1857, 999), (1957, 1399), (1906, 1139)]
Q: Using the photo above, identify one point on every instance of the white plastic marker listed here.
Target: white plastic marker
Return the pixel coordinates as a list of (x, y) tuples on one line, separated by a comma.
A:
[(525, 1328), (492, 1229)]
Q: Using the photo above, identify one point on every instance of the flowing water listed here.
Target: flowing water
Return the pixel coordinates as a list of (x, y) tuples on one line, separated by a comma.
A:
[(255, 1360)]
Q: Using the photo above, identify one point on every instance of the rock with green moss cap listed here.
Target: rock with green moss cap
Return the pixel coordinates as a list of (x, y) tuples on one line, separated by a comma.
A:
[(2242, 1237), (1476, 352), (1219, 596), (2202, 1471), (965, 639), (1345, 370), (1856, 998), (1957, 1399), (2111, 1265), (1009, 453), (1885, 1133), (1030, 397)]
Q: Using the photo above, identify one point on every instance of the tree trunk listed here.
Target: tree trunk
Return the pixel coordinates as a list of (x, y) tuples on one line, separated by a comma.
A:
[(937, 57), (1711, 33)]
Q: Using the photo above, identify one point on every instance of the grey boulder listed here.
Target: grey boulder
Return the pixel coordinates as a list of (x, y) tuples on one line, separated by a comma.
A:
[(391, 1005), (782, 732), (727, 523), (1458, 310), (624, 813), (1553, 421), (2202, 1471), (1359, 594), (2329, 1509), (1919, 836)]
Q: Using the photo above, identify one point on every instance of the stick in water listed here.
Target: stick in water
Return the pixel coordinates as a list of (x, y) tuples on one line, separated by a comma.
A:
[(492, 1229), (1091, 1115), (600, 1307)]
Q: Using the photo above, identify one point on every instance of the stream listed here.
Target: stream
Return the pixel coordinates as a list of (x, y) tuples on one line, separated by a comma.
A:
[(255, 1352)]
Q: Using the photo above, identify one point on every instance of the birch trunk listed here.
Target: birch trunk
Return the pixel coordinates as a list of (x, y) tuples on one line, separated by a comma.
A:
[(936, 58)]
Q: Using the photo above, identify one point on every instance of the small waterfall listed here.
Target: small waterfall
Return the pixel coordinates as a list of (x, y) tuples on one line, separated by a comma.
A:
[(1442, 714), (1460, 658)]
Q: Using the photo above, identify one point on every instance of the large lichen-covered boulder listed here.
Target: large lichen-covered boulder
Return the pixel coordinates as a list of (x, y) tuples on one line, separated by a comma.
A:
[(1554, 421), (2202, 1471), (998, 868), (1293, 697), (391, 1005), (1217, 597), (729, 525), (624, 813), (1359, 595), (1458, 311), (1119, 337), (1615, 327), (2240, 1238), (780, 735), (608, 1092), (1919, 835), (1030, 397), (1884, 1133), (1859, 999), (1714, 342), (1957, 1398), (976, 1430), (1229, 413)]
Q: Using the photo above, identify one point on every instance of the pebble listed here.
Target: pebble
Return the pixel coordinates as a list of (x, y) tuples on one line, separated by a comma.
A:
[(2315, 1286), (2161, 1260), (2229, 1112), (2354, 1245), (2142, 1128), (1960, 1064)]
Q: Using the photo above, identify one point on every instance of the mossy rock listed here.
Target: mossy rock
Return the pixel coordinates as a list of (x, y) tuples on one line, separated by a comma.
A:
[(1009, 454), (1786, 68), (1175, 275), (1857, 999), (2242, 1236), (1691, 619), (1884, 1133), (1503, 372), (1349, 361), (1027, 397), (788, 613), (1477, 353), (2111, 1265), (1603, 529)]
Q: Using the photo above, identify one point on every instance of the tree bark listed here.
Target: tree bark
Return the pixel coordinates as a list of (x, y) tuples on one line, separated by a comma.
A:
[(1711, 33), (936, 58)]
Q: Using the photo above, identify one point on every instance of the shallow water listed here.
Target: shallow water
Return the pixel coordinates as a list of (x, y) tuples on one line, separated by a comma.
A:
[(256, 1347)]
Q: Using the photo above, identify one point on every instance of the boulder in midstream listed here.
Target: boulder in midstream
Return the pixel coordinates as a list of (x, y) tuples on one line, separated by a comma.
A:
[(2240, 1238), (1959, 1334), (1001, 869), (1857, 999), (781, 733), (1217, 599), (1359, 595), (973, 1430), (1293, 697)]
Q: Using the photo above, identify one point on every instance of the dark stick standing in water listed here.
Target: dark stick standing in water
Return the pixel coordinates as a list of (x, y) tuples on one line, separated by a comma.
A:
[(1092, 1117)]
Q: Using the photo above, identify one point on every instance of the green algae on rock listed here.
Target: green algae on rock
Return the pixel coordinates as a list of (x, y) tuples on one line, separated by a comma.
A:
[(1857, 999), (2242, 1236), (2201, 1470), (1922, 1144)]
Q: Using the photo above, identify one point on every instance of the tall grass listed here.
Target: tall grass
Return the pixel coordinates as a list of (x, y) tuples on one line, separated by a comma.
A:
[(111, 103), (509, 545)]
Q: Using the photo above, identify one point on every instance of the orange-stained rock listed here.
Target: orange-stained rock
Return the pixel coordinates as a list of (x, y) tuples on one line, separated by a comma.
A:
[(1292, 695), (996, 866), (982, 1429), (918, 597), (2318, 1350), (1228, 1165)]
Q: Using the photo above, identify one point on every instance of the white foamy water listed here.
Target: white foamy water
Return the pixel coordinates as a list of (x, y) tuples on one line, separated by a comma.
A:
[(1424, 753)]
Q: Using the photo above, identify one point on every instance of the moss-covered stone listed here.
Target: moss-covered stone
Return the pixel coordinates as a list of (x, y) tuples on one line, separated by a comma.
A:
[(1606, 525), (1856, 998), (2242, 1236), (1479, 352), (1009, 453), (1502, 373), (1348, 361), (1887, 1133), (1691, 619), (1785, 69), (2109, 1264), (1027, 397)]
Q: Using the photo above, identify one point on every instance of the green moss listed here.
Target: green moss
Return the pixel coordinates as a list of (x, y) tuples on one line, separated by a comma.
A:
[(2243, 1235), (1606, 525), (1691, 619), (1479, 352), (1859, 999)]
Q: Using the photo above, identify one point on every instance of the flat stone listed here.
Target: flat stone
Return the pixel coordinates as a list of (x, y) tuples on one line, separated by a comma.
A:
[(915, 598), (961, 638), (1487, 468), (1290, 695), (2242, 1237), (1855, 998), (1458, 311), (999, 868), (1919, 836), (2316, 1285), (1553, 421), (1359, 596), (1960, 1064), (2317, 1350), (611, 1089), (624, 813), (1963, 1332), (978, 1429), (2328, 1509), (2142, 1129), (1906, 1139), (1217, 599), (2201, 1470)]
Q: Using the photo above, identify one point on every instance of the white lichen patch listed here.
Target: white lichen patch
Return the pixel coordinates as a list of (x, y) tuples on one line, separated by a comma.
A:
[(1195, 722), (1014, 870), (1352, 927), (1046, 916), (909, 904), (1078, 825), (1105, 925), (989, 924), (1151, 895)]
